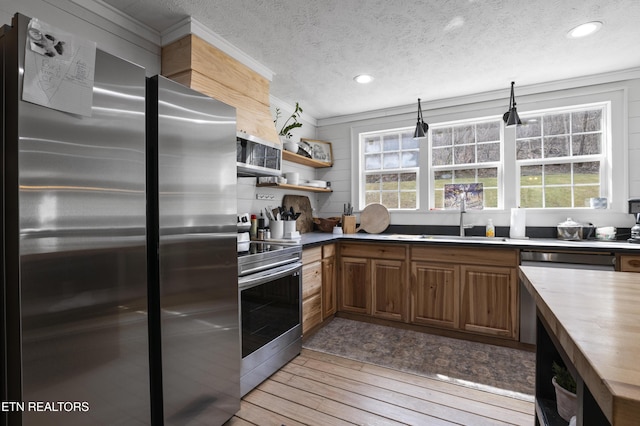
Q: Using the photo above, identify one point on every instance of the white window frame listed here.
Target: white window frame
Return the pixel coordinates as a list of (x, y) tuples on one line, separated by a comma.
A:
[(494, 164), (362, 172), (603, 157)]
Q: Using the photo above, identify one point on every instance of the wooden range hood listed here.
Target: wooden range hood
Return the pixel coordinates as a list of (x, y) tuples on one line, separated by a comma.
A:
[(195, 63)]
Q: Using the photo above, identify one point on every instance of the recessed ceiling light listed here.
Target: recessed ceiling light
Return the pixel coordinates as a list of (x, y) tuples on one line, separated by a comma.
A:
[(584, 29), (363, 78)]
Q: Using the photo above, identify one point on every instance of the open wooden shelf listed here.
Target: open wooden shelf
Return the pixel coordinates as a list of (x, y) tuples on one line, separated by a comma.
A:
[(293, 187), (300, 159)]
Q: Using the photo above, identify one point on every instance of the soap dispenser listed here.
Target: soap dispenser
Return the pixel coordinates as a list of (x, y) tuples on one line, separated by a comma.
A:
[(490, 230)]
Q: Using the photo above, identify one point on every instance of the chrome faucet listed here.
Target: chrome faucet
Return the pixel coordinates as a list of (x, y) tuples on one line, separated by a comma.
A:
[(463, 210)]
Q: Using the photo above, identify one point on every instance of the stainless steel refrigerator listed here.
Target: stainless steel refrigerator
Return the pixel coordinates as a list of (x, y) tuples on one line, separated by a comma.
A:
[(74, 278), (193, 266)]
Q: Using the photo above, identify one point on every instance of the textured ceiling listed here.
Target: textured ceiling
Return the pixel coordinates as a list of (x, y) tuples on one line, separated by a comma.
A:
[(427, 49)]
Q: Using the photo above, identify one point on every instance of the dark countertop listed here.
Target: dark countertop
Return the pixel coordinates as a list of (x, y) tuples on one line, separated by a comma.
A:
[(317, 238)]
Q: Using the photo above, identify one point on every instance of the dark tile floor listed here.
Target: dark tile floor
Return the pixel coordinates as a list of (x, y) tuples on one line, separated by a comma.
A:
[(492, 368)]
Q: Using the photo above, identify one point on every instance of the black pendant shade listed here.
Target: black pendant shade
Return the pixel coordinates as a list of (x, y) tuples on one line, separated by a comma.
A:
[(421, 127), (511, 117)]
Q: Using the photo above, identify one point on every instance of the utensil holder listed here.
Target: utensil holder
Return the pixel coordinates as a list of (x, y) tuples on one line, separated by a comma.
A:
[(348, 224)]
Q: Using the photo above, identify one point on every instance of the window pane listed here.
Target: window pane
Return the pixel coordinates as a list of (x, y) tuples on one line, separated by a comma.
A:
[(391, 143), (488, 132), (441, 157), (488, 152), (408, 181), (408, 142), (587, 144), (583, 193), (372, 183), (530, 175), (438, 201), (586, 121), (372, 145), (587, 173), (408, 200), (557, 174), (371, 197), (465, 154), (465, 176), (372, 162), (557, 196), (530, 128), (556, 124), (390, 182), (556, 147), (441, 178), (528, 149), (490, 197), (441, 137), (463, 135), (530, 197), (390, 200), (410, 159), (391, 161)]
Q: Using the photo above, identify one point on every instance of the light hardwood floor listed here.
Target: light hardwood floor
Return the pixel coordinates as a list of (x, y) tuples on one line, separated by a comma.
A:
[(321, 389)]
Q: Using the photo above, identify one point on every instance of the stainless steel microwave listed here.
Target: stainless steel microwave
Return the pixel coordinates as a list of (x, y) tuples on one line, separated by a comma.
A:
[(257, 157)]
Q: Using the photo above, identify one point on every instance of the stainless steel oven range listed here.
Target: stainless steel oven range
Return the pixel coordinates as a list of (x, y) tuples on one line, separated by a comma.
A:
[(269, 282)]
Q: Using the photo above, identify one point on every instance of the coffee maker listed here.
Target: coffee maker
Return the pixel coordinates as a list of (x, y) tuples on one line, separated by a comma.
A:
[(634, 208)]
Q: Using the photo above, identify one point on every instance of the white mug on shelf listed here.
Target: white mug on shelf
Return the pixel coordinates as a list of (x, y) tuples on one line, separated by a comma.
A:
[(293, 178)]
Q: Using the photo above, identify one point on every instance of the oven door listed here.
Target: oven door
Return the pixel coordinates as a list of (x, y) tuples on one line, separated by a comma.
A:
[(270, 307)]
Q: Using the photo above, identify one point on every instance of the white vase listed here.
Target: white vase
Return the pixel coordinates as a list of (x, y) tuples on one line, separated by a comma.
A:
[(566, 401)]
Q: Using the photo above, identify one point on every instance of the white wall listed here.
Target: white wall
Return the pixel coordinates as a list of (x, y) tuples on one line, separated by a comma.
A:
[(343, 133), (113, 32)]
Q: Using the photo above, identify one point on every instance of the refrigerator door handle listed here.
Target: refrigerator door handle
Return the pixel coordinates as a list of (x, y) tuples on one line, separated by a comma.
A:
[(272, 274)]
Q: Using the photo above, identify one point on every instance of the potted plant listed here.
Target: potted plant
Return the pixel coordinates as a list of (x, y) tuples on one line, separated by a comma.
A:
[(290, 124), (565, 386)]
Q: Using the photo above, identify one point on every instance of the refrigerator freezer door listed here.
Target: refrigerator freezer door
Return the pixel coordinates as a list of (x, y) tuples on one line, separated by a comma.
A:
[(75, 220), (197, 283)]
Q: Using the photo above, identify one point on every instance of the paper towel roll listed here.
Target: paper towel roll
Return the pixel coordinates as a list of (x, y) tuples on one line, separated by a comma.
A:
[(518, 223)]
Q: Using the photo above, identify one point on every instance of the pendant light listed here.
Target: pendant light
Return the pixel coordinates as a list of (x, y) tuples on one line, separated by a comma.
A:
[(421, 127), (511, 117)]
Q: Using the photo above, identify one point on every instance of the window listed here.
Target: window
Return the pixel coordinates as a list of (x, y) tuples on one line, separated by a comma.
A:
[(467, 152), (390, 168), (560, 157)]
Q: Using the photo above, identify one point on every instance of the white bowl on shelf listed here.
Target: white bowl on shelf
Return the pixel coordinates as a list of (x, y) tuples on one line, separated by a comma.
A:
[(291, 146)]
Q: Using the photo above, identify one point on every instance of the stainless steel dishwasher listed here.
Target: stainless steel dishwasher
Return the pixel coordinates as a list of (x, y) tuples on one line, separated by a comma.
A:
[(592, 261)]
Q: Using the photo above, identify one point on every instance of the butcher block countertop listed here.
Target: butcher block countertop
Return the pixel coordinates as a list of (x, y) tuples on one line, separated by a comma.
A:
[(595, 316)]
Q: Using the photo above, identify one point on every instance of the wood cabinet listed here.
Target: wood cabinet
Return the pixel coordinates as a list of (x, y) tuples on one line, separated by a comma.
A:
[(374, 280), (318, 285), (435, 294), (468, 289), (329, 295), (311, 288), (628, 263), (489, 300)]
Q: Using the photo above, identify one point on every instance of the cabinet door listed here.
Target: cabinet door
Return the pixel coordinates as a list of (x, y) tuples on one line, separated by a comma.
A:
[(389, 284), (435, 294), (489, 301), (329, 303), (355, 289), (311, 295)]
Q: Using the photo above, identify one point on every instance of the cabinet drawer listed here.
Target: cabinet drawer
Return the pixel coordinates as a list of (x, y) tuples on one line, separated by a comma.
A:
[(378, 251), (469, 256), (311, 313), (311, 279), (629, 263), (310, 255)]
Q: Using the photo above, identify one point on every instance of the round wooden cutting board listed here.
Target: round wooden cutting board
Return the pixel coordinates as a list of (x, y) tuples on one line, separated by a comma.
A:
[(374, 219)]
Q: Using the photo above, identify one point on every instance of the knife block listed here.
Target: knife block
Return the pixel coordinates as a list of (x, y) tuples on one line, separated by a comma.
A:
[(348, 224)]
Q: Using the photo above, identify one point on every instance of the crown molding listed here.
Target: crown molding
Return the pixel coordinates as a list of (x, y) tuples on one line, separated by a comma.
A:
[(189, 25)]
